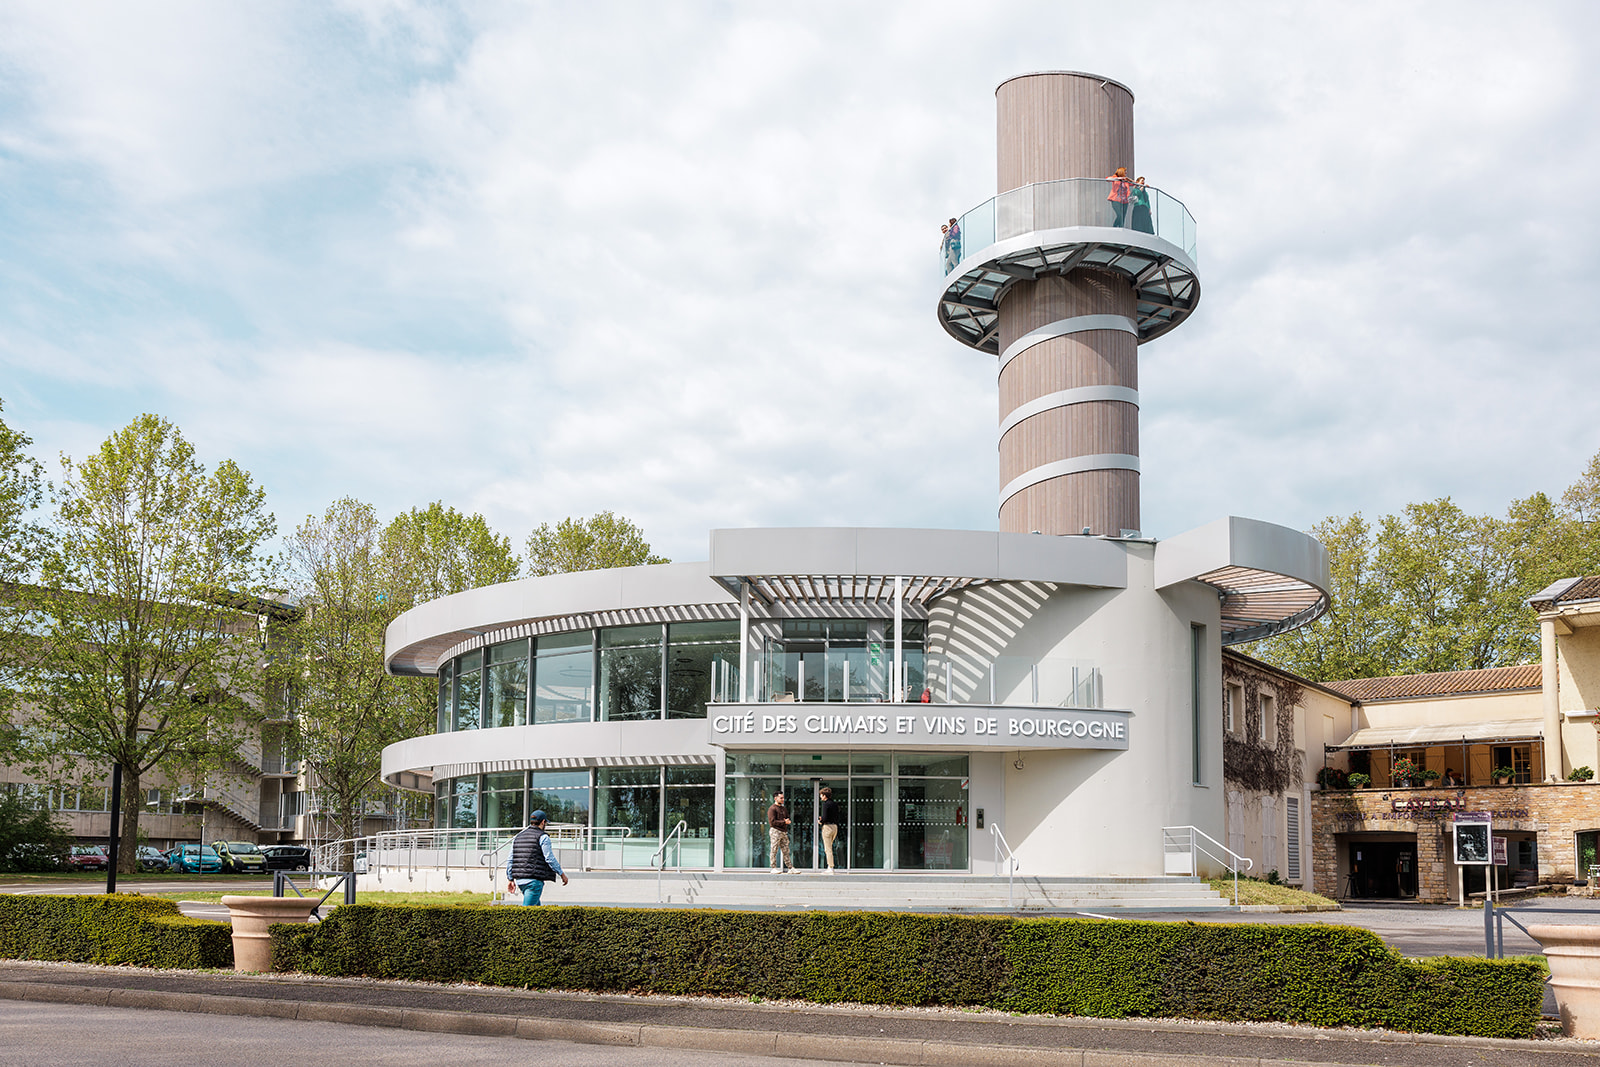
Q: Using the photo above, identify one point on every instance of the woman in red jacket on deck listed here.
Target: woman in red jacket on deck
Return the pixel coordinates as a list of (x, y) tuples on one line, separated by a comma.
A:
[(1121, 190)]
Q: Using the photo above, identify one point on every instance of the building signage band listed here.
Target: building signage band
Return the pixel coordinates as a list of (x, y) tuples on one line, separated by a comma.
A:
[(910, 725)]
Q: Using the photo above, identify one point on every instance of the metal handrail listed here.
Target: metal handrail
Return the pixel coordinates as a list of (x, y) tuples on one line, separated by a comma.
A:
[(1196, 835), (661, 854), (477, 847), (1012, 863), (1494, 917), (346, 879)]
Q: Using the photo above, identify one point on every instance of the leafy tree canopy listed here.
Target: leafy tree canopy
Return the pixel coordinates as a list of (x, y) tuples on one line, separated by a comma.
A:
[(139, 662), (353, 575), (435, 551), (21, 491), (1436, 589), (606, 540)]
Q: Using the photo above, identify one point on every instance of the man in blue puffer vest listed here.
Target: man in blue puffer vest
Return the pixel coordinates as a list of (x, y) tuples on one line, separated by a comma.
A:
[(533, 861)]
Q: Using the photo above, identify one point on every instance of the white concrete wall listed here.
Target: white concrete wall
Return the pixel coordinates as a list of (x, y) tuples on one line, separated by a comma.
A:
[(1071, 813)]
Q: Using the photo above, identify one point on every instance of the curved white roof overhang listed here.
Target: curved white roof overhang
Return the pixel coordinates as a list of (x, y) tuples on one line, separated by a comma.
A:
[(1270, 579), (783, 565)]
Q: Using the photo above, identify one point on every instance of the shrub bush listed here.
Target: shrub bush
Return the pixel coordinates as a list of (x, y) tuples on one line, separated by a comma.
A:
[(1321, 975), (144, 931)]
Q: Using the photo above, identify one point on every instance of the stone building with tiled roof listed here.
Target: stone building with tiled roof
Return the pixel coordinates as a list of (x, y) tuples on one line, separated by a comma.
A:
[(1514, 742)]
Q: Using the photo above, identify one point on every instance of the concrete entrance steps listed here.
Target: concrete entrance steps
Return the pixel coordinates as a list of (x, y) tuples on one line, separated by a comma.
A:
[(853, 892)]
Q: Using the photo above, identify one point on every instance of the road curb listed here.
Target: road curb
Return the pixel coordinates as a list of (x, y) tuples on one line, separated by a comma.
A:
[(899, 1051), (906, 1052)]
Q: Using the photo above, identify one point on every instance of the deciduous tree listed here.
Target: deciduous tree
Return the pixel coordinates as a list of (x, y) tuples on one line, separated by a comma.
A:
[(1436, 589), (21, 541), (347, 708), (145, 660), (606, 540), (353, 576)]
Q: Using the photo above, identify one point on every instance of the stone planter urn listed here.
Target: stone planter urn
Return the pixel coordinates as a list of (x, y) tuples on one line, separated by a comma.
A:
[(251, 916), (1574, 955)]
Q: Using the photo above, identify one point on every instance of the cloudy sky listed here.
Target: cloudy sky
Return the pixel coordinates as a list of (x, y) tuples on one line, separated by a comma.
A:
[(679, 260)]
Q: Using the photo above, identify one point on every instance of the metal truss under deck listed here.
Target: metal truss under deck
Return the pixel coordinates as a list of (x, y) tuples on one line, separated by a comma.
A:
[(1165, 285)]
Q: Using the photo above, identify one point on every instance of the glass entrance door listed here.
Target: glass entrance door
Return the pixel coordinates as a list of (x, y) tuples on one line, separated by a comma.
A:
[(896, 811), (863, 842)]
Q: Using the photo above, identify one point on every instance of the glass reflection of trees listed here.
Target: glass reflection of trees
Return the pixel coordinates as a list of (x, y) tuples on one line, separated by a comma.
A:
[(630, 673), (700, 655), (507, 696), (468, 690), (562, 795)]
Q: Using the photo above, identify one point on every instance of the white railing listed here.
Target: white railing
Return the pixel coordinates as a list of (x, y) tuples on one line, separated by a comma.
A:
[(659, 859), (1012, 863), (464, 851), (1182, 847)]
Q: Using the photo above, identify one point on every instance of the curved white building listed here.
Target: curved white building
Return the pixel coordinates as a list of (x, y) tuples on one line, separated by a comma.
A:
[(1059, 680)]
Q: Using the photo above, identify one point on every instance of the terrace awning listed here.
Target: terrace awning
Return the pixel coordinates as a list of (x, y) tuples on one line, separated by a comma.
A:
[(1458, 733)]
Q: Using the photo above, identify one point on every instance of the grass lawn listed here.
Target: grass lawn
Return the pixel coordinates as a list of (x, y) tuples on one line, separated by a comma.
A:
[(99, 877), (1255, 891), (379, 897)]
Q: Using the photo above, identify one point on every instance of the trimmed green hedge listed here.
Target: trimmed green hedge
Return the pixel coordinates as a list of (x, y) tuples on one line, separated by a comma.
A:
[(1320, 975), (144, 931)]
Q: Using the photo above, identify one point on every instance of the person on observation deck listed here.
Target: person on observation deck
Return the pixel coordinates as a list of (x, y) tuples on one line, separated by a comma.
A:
[(1121, 193), (1141, 207), (533, 861)]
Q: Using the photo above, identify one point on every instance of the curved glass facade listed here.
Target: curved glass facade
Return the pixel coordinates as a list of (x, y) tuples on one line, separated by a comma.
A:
[(614, 674), (622, 812)]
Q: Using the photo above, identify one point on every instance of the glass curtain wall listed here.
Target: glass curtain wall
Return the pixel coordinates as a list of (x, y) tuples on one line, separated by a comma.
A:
[(506, 702), (702, 666), (446, 693), (502, 804), (562, 795), (563, 675), (908, 812), (841, 659), (648, 802), (630, 797), (645, 672), (469, 690), (689, 795), (630, 673)]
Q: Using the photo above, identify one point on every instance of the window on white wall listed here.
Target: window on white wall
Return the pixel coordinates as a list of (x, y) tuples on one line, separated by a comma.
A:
[(1269, 719), (1232, 707)]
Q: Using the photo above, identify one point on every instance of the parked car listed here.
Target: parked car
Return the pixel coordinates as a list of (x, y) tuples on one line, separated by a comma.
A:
[(88, 858), (240, 857), (287, 857), (151, 859), (193, 859)]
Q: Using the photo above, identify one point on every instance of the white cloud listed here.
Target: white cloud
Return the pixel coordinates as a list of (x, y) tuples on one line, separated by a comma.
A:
[(678, 261)]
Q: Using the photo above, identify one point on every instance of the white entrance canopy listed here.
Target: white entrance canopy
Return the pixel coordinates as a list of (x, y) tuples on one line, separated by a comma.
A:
[(1456, 733)]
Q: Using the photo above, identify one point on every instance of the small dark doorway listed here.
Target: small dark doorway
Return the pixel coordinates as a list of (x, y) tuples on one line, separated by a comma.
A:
[(1381, 870)]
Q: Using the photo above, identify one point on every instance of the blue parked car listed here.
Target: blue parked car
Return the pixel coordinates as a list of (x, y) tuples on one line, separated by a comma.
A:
[(193, 859)]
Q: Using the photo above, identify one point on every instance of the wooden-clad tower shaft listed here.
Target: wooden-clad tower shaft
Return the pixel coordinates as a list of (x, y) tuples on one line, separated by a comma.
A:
[(1073, 462)]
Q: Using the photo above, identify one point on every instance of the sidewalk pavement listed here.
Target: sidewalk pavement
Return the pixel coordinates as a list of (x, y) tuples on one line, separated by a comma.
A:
[(788, 1030)]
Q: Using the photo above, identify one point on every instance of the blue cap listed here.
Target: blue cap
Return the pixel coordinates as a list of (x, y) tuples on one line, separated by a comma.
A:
[(538, 816)]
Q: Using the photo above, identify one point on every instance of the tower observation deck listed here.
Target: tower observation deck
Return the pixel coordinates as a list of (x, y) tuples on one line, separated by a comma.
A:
[(1062, 276)]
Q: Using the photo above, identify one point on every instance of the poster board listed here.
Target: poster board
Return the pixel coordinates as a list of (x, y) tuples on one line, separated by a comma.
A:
[(1471, 832), (1500, 852)]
